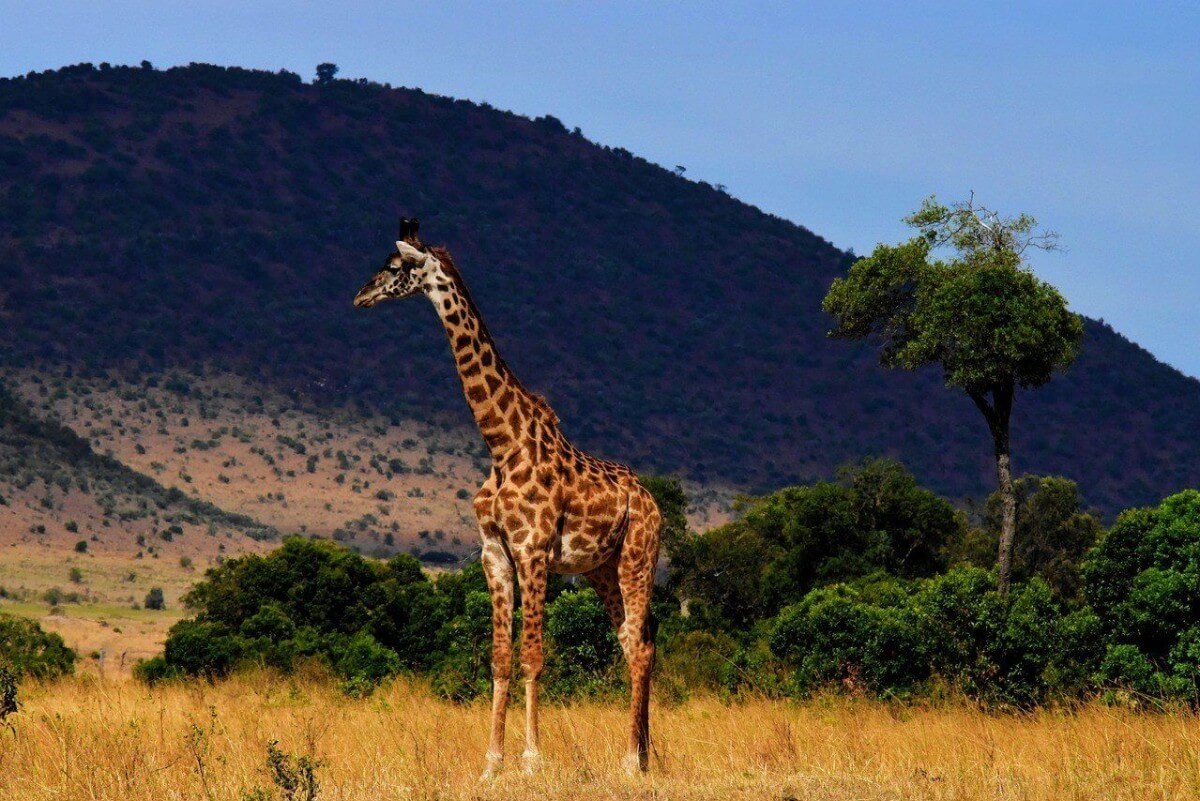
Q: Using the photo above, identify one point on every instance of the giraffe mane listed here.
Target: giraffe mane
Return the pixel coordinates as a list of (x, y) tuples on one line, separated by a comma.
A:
[(539, 403)]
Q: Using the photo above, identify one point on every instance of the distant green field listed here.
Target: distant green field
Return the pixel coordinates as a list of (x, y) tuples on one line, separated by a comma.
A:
[(97, 611)]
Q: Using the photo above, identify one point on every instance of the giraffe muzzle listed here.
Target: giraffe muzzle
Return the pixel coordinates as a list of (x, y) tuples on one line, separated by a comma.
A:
[(365, 300), (369, 295)]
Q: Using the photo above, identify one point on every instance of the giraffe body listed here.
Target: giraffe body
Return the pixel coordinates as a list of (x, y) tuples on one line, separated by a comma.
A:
[(545, 507)]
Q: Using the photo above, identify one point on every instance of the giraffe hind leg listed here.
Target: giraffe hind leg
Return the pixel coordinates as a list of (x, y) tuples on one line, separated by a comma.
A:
[(606, 584), (635, 576)]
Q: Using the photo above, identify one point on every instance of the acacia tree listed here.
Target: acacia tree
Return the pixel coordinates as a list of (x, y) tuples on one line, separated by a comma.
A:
[(326, 72), (981, 315)]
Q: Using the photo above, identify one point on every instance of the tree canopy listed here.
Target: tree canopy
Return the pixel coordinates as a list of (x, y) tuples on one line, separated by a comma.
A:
[(982, 316)]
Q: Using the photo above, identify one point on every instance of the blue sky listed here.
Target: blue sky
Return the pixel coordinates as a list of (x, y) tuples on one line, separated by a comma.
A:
[(840, 116)]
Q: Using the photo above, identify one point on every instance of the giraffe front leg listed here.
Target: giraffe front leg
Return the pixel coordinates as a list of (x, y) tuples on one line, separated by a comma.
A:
[(532, 569), (498, 570)]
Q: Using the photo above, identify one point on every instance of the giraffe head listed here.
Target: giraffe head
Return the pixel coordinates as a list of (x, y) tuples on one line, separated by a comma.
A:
[(405, 272)]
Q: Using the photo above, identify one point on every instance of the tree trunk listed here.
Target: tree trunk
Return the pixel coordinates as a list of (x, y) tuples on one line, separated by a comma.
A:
[(1008, 519), (998, 413)]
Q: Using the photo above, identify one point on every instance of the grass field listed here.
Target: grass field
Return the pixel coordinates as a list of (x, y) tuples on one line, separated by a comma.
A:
[(90, 739)]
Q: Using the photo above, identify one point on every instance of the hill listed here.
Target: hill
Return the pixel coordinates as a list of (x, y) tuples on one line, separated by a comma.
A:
[(220, 220), (45, 462), (84, 537)]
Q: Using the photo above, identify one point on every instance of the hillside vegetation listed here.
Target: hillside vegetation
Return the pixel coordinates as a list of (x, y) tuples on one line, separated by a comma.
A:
[(223, 218)]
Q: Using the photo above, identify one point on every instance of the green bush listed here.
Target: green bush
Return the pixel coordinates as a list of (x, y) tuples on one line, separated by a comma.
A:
[(800, 538), (363, 662), (202, 648), (891, 630), (701, 660), (464, 671), (891, 638), (156, 669), (270, 637), (154, 599), (1143, 581), (366, 619), (29, 651), (584, 644), (835, 636), (998, 649)]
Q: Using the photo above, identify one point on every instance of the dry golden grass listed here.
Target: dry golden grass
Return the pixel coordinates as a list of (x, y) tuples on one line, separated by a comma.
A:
[(89, 739)]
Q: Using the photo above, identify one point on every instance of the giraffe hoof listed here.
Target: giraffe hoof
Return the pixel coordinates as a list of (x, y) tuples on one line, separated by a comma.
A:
[(494, 766), (632, 764), (531, 763)]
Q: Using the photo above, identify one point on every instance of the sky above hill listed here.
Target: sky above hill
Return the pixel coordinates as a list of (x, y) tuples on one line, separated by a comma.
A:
[(841, 117)]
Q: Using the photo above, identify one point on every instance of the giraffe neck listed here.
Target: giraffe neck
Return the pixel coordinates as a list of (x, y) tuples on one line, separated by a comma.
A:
[(506, 413)]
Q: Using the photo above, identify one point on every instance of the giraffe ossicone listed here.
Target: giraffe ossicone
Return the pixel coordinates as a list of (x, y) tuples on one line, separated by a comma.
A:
[(545, 507)]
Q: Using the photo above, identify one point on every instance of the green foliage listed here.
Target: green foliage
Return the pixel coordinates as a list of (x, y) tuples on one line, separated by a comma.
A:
[(584, 643), (836, 636), (154, 599), (295, 777), (982, 317), (155, 670), (9, 705), (1001, 649), (368, 620), (787, 543), (363, 662), (720, 573), (406, 569), (1143, 581), (892, 638), (701, 659), (202, 648), (1053, 532), (464, 671), (27, 650), (838, 585), (672, 504)]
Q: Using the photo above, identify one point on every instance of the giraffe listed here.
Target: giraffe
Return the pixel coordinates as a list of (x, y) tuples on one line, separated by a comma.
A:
[(545, 507)]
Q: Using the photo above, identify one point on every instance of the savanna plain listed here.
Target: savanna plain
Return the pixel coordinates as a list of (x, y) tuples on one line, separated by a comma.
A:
[(208, 466), (260, 736)]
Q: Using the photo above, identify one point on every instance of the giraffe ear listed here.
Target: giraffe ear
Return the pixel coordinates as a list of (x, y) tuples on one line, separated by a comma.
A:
[(407, 250)]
